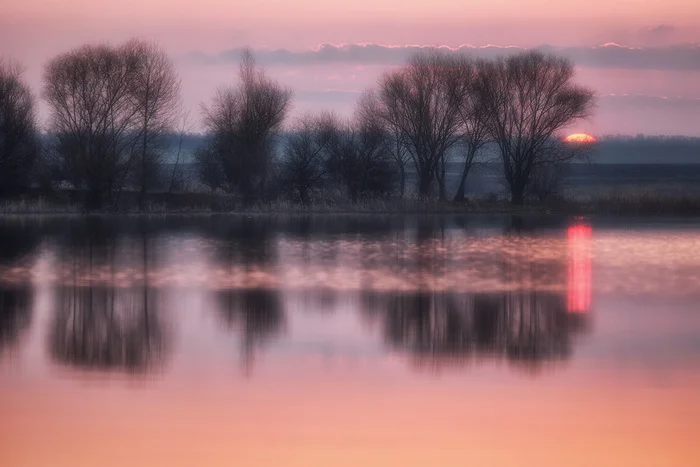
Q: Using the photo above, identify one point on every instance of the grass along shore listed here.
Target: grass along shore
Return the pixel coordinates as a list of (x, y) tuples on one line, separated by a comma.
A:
[(633, 202)]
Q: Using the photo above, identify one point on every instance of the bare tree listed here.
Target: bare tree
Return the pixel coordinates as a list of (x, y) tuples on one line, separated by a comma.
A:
[(548, 176), (528, 98), (242, 122), (304, 160), (369, 109), (93, 116), (155, 90), (358, 159), (208, 167), (422, 101), (176, 174), (19, 144), (474, 132)]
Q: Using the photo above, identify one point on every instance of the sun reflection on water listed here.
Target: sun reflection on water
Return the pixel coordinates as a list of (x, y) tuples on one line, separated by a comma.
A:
[(579, 275)]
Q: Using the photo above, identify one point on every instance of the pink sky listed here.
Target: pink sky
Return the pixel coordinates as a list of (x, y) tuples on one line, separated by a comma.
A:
[(34, 30)]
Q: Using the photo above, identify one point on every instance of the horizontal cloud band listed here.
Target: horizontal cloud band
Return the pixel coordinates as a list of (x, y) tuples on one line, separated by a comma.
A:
[(675, 57)]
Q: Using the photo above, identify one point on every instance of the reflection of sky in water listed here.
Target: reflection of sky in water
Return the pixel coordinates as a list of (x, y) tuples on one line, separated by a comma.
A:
[(627, 262), (440, 296), (324, 344)]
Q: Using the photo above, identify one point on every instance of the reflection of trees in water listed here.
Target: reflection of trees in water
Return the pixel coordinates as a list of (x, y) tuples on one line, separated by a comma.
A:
[(15, 313), (98, 323), (247, 241), (444, 328), (255, 313), (105, 327), (522, 324), (18, 241)]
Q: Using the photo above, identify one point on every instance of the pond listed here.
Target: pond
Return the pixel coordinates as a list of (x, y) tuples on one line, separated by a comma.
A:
[(349, 340)]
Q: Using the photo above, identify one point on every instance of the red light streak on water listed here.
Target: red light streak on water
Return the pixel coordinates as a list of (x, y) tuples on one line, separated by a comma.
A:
[(579, 277)]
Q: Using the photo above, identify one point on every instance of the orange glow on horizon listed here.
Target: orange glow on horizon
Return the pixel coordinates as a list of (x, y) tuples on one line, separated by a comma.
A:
[(580, 138)]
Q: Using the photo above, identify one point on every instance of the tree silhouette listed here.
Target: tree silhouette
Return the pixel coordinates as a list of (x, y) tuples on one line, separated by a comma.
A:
[(155, 89), (527, 98), (369, 111), (19, 142), (472, 112), (422, 101), (92, 117), (241, 123), (358, 158), (303, 165)]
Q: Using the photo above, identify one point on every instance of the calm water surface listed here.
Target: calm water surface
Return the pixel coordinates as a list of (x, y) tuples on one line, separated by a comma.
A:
[(373, 341)]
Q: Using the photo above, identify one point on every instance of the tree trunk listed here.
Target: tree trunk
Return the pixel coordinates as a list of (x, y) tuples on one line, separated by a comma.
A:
[(142, 197), (517, 194), (303, 196), (425, 183), (353, 195), (94, 199), (441, 179), (402, 170), (459, 196)]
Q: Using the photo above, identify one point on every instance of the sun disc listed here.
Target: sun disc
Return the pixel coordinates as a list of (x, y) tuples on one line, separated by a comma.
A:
[(580, 138)]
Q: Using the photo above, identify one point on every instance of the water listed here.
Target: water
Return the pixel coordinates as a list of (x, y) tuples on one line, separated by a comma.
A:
[(373, 340)]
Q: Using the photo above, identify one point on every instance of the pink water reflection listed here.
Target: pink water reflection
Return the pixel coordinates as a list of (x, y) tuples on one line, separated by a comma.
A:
[(352, 349), (579, 265)]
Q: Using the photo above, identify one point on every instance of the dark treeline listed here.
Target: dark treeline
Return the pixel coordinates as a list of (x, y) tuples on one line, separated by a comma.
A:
[(114, 109), (648, 149)]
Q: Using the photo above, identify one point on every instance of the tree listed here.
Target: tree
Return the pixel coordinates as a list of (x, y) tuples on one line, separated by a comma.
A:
[(422, 100), (176, 176), (208, 168), (358, 159), (93, 116), (556, 156), (474, 133), (155, 89), (304, 160), (242, 122), (19, 143), (369, 109), (528, 97)]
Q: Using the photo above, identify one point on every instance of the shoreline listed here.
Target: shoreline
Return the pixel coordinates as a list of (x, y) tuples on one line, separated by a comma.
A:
[(437, 209)]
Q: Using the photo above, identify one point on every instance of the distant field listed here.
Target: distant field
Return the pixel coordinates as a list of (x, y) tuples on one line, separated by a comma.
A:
[(588, 178), (595, 176)]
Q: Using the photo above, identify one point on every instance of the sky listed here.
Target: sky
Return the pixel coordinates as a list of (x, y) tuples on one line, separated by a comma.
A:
[(641, 57)]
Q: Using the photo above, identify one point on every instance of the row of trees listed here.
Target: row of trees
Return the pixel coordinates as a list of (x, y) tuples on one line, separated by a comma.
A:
[(19, 142), (418, 117), (112, 108)]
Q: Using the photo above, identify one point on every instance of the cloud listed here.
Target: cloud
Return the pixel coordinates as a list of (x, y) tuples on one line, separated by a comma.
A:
[(661, 31), (359, 53), (674, 57), (610, 55), (651, 103)]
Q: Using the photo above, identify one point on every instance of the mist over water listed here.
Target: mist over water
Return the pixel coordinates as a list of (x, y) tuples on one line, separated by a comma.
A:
[(348, 340)]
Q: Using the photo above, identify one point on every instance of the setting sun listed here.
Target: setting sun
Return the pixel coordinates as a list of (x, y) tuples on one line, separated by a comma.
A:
[(580, 138)]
